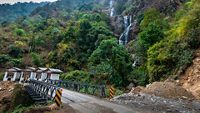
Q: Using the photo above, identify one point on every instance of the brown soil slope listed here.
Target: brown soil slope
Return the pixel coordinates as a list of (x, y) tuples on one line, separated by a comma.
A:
[(170, 90), (167, 90), (6, 90), (190, 80)]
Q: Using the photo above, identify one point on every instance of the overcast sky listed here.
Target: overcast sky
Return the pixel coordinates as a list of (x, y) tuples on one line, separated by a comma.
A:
[(14, 1)]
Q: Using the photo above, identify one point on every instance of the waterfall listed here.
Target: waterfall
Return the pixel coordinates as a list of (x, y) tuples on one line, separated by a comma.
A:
[(125, 35), (111, 8)]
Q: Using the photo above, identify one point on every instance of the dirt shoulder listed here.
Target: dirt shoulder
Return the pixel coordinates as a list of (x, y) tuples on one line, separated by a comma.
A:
[(65, 108)]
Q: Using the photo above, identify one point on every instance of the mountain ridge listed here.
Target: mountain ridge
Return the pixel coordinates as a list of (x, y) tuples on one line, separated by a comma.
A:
[(9, 13)]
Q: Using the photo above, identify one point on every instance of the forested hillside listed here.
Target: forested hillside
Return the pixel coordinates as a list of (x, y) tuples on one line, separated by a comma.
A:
[(82, 38), (66, 7), (12, 12)]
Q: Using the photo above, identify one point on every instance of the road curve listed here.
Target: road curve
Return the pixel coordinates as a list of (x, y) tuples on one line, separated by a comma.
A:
[(89, 104)]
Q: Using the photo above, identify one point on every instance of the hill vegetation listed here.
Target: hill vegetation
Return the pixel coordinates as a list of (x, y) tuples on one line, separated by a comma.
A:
[(76, 37), (10, 13)]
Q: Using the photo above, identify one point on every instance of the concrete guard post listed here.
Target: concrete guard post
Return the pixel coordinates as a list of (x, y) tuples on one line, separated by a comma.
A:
[(112, 91), (58, 96)]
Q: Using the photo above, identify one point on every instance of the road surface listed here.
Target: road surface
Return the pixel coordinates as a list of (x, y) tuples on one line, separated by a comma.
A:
[(90, 104)]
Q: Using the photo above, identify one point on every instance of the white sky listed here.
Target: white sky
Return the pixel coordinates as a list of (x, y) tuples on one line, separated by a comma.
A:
[(14, 1)]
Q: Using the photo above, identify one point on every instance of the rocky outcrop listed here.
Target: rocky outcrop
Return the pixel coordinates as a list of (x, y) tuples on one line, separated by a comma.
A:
[(134, 31), (165, 6), (117, 24)]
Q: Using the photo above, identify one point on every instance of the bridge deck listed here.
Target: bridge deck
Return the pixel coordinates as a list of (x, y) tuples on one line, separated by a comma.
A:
[(90, 104), (82, 103)]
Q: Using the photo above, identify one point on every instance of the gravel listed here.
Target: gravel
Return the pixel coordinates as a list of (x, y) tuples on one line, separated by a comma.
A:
[(158, 104)]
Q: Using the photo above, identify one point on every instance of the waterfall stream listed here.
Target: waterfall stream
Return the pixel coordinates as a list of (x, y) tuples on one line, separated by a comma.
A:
[(124, 38), (111, 8)]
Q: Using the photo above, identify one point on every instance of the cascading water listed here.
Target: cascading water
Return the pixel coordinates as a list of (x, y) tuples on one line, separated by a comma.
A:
[(125, 35), (111, 8)]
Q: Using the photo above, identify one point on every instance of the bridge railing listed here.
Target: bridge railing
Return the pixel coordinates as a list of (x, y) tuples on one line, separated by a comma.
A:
[(97, 90), (45, 90)]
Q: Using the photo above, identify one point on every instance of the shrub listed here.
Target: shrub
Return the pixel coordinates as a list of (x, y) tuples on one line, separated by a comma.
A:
[(16, 62), (4, 59), (77, 76), (15, 51), (20, 32), (36, 59), (24, 99), (167, 56), (139, 76), (153, 27)]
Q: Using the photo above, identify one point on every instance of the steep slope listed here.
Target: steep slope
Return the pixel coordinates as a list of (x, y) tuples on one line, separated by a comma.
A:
[(136, 9), (164, 6), (191, 78)]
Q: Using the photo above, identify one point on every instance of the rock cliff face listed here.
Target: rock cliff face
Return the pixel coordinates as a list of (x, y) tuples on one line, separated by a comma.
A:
[(165, 6), (117, 24), (135, 8)]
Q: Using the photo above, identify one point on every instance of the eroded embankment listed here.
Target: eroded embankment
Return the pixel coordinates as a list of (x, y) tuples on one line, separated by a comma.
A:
[(161, 97), (11, 96), (190, 80)]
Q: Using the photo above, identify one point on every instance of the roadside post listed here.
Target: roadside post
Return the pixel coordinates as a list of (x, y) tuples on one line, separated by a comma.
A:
[(112, 91), (57, 97)]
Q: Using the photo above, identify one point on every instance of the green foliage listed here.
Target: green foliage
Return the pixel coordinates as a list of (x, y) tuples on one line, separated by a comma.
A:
[(10, 13), (101, 72), (150, 35), (84, 29), (86, 7), (119, 6), (79, 37), (36, 59), (139, 76), (24, 99), (14, 51), (4, 59), (35, 42), (163, 59), (20, 32), (19, 109), (152, 27), (150, 15), (16, 62), (176, 50), (78, 76), (110, 62)]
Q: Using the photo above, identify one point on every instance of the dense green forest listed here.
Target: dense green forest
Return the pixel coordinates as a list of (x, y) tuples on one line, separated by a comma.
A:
[(77, 37), (12, 12)]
